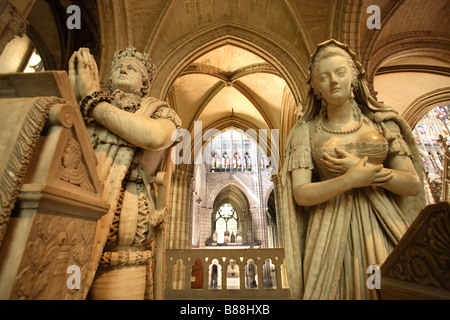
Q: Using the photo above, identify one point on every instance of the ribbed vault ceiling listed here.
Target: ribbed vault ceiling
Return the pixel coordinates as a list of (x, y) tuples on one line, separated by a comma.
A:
[(229, 82), (239, 82)]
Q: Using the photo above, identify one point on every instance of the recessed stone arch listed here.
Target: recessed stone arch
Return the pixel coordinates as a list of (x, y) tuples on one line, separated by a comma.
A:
[(233, 194), (423, 104), (408, 45), (226, 183)]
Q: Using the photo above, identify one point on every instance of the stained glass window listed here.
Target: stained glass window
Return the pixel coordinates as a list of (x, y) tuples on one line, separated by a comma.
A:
[(248, 162), (235, 151), (441, 111), (225, 162), (427, 131), (420, 133), (221, 225), (218, 163), (443, 127), (435, 123), (262, 162), (442, 114)]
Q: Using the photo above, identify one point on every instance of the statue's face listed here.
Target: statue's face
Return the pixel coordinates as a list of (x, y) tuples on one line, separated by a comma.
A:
[(333, 79), (126, 76)]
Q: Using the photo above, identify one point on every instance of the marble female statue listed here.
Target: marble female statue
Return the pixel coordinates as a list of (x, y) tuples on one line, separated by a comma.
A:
[(130, 133), (352, 181)]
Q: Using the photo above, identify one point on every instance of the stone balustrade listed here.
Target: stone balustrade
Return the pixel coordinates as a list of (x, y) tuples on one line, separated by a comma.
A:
[(226, 274)]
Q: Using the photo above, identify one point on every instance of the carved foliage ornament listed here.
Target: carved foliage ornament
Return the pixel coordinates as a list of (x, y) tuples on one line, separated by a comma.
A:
[(57, 243), (427, 260), (16, 26)]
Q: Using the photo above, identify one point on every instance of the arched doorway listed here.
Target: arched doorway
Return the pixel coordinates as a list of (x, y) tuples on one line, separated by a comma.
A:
[(231, 220)]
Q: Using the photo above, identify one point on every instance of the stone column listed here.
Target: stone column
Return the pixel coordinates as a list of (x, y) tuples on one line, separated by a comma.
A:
[(205, 223), (175, 209), (259, 226), (185, 213), (194, 222), (180, 207), (181, 210)]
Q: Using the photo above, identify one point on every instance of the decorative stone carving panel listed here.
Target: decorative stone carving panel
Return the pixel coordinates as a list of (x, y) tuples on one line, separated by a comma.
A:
[(49, 177), (55, 243), (72, 168), (419, 267)]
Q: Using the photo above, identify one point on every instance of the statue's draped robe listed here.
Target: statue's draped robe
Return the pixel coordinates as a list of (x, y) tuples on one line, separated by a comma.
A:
[(330, 246), (126, 172)]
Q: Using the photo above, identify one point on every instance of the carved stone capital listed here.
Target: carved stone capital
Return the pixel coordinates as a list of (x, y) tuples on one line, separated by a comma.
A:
[(12, 24)]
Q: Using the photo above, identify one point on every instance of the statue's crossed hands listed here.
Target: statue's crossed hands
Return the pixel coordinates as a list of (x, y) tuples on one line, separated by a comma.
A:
[(340, 164)]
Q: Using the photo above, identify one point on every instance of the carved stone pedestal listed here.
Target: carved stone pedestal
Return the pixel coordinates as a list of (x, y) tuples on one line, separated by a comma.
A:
[(419, 266), (48, 176)]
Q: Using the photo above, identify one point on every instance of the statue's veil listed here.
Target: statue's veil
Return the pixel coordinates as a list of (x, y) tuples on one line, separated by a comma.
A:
[(295, 218)]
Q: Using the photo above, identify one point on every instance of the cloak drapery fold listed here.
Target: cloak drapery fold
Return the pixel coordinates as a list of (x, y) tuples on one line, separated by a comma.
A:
[(317, 239)]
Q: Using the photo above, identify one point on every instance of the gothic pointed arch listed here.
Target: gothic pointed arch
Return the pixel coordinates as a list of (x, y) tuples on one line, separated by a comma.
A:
[(423, 104), (231, 211), (237, 188)]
